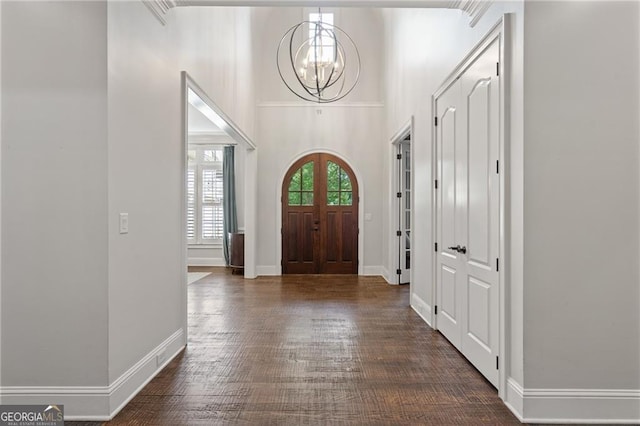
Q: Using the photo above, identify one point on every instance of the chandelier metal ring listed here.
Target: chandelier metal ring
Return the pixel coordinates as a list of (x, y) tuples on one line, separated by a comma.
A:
[(319, 63)]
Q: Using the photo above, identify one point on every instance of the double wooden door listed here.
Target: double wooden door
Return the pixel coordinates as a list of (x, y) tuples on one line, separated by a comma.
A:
[(468, 197), (320, 217)]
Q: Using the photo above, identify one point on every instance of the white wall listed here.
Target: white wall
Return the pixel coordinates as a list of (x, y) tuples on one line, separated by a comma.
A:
[(0, 204), (572, 289), (422, 47), (582, 327), (91, 127), (54, 194), (288, 127), (213, 45)]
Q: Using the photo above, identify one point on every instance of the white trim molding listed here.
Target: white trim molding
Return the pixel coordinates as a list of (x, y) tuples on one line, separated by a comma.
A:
[(595, 406), (373, 271), (319, 106), (159, 8), (388, 277), (474, 8), (205, 261), (100, 403), (267, 270), (422, 308)]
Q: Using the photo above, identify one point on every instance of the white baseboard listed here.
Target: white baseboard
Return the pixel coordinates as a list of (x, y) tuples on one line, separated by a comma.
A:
[(125, 387), (514, 398), (267, 270), (422, 308), (373, 270), (272, 270), (205, 261), (594, 406), (99, 403), (388, 278), (90, 403)]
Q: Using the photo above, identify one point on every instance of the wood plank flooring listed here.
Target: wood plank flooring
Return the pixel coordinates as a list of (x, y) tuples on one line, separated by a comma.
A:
[(312, 350)]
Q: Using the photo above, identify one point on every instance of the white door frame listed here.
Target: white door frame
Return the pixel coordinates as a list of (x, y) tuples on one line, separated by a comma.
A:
[(406, 130), (499, 31), (215, 113)]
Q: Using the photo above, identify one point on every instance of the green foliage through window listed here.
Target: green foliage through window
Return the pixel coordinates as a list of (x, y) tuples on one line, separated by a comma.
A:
[(301, 186), (339, 189)]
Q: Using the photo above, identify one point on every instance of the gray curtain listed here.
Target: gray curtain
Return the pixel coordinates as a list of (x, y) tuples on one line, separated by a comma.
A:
[(230, 216)]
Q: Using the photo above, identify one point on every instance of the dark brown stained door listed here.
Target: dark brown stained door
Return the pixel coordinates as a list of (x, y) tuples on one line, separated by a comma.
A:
[(320, 217)]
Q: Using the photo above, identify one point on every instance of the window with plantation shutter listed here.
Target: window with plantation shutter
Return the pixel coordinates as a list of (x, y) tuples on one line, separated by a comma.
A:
[(191, 206), (204, 195)]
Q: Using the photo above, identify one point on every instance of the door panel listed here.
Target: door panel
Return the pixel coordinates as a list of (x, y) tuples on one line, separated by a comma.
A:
[(449, 327), (320, 217), (480, 88), (468, 212), (347, 235), (479, 176), (478, 325), (448, 218)]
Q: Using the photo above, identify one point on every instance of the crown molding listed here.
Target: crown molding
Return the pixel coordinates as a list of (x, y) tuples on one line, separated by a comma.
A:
[(474, 8), (159, 8)]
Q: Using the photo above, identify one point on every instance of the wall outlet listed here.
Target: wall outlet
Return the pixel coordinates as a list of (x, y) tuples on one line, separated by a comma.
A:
[(161, 357), (124, 223)]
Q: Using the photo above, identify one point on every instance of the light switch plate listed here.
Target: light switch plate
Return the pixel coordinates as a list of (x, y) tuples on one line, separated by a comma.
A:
[(368, 217), (124, 223)]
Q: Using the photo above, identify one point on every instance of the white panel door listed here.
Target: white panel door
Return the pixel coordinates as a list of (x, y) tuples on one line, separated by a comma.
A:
[(450, 280), (468, 212), (480, 91)]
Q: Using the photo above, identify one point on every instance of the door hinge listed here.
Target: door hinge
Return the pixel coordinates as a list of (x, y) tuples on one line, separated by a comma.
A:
[(498, 69), (399, 156), (399, 233), (399, 271), (435, 120), (399, 195), (436, 244), (497, 264), (435, 312), (497, 363), (436, 183), (498, 166)]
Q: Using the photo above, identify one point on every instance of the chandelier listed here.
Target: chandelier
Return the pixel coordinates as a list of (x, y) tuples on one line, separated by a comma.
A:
[(315, 68)]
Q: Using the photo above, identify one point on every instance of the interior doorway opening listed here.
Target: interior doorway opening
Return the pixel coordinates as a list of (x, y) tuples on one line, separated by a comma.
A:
[(402, 210)]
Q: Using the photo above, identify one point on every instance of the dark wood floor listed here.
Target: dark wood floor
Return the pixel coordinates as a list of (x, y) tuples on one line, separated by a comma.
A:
[(300, 350)]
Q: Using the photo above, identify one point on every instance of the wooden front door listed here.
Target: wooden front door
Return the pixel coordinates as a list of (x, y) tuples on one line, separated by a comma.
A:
[(320, 217)]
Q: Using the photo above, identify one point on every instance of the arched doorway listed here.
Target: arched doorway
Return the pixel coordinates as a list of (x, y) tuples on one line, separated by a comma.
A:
[(320, 217)]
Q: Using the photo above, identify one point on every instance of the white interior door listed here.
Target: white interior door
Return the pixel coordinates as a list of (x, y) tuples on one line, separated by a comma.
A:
[(449, 276), (468, 212)]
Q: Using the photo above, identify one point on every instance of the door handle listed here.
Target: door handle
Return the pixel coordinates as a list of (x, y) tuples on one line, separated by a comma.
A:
[(459, 249)]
